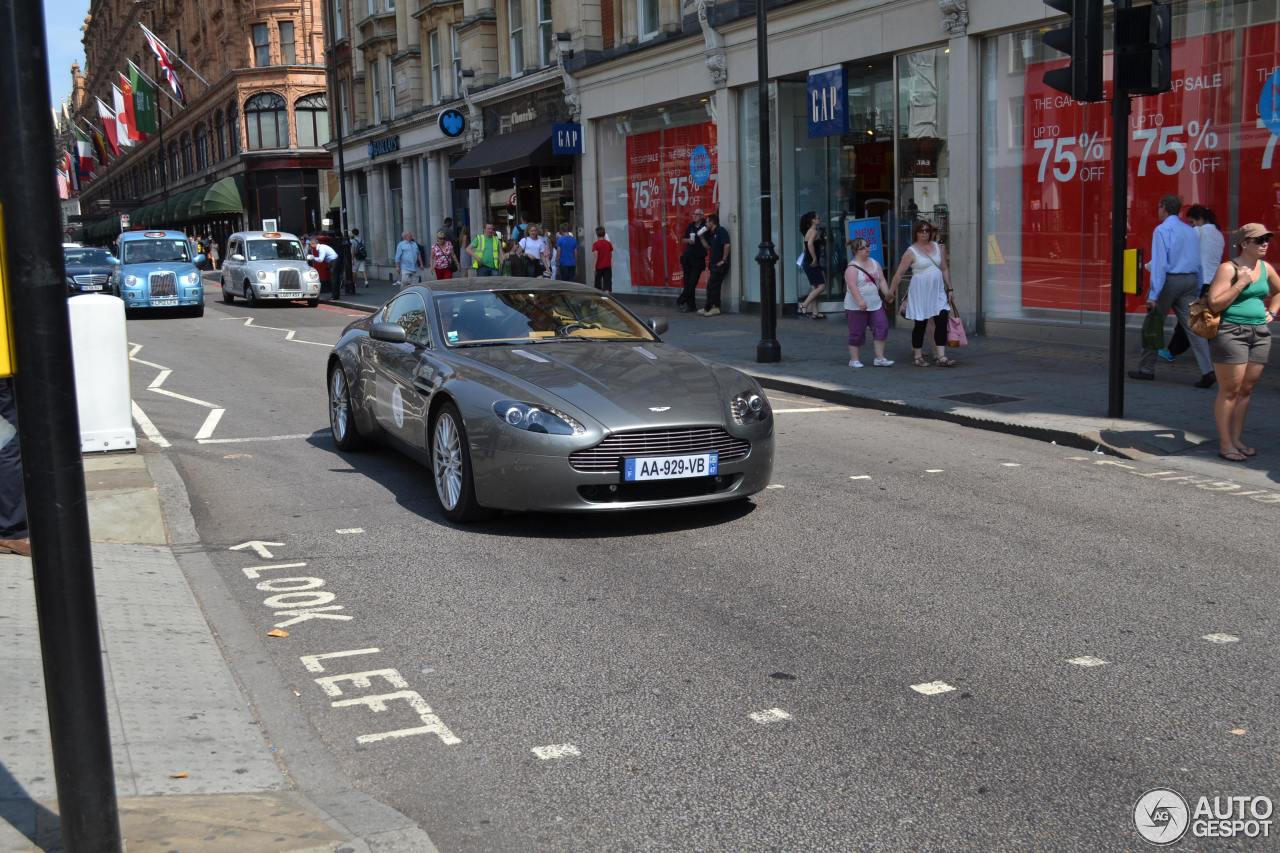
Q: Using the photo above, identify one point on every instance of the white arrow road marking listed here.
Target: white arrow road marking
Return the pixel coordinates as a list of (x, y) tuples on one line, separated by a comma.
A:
[(259, 547), (148, 428)]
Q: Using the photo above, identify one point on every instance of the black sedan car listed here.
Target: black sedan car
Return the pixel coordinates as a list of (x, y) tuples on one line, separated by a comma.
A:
[(89, 270), (526, 394)]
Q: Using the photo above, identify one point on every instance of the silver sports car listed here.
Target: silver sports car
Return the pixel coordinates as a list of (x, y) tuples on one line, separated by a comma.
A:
[(523, 394)]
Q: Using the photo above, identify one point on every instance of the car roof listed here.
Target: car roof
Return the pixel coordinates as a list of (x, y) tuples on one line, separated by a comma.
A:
[(250, 235), (152, 234), (502, 282)]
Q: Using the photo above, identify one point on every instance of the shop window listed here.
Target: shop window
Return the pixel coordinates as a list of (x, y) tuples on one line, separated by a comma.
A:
[(391, 89), (647, 19), (288, 49), (922, 143), (311, 114), (174, 171), (233, 131), (186, 154), (202, 148), (266, 119), (219, 137), (375, 87), (515, 39), (261, 46), (545, 33), (456, 51), (433, 56), (395, 198)]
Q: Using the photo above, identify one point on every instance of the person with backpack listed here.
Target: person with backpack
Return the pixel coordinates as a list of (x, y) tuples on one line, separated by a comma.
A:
[(361, 256)]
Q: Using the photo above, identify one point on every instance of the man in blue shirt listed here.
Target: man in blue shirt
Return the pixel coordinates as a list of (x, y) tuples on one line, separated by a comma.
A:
[(406, 261), (1175, 281), (566, 254)]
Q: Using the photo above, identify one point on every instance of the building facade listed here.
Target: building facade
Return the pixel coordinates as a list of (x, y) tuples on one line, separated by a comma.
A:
[(248, 146)]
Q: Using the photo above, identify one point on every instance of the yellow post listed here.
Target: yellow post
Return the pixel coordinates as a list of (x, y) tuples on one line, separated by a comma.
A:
[(1131, 271), (7, 365)]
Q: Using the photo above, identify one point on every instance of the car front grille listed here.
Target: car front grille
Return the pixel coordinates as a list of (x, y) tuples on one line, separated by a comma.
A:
[(90, 280), (290, 280), (164, 284), (608, 454)]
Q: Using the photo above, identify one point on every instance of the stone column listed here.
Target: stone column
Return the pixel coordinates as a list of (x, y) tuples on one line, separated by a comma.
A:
[(378, 244), (964, 155), (409, 196), (744, 246)]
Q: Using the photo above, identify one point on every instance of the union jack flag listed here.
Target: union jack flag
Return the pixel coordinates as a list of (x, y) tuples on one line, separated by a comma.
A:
[(167, 60)]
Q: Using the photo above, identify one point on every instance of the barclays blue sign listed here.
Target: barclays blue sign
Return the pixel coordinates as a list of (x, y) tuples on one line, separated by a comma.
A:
[(828, 102), (451, 122), (385, 145)]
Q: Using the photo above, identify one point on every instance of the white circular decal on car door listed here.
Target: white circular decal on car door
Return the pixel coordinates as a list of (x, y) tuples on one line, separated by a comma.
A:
[(397, 407)]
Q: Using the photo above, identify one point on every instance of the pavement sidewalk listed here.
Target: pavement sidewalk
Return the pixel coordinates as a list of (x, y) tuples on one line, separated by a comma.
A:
[(195, 770), (1049, 391)]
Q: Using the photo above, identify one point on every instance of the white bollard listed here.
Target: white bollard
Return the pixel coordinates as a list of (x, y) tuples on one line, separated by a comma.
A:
[(100, 349)]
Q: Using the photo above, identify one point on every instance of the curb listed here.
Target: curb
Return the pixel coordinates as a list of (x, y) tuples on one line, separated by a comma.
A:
[(354, 306)]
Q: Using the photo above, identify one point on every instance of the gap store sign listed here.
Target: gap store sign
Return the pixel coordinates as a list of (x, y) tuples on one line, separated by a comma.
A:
[(828, 102)]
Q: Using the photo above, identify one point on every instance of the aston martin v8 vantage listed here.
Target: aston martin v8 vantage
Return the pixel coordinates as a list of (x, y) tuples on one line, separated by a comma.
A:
[(530, 395)]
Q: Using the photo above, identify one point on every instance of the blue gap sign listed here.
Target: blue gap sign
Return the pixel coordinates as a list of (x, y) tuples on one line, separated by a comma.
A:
[(828, 102)]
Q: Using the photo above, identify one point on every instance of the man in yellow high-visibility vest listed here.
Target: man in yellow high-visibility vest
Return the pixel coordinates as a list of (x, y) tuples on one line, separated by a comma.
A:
[(486, 252)]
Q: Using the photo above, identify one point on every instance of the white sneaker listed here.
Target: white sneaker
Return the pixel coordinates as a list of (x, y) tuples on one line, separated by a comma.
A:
[(855, 363), (711, 312), (883, 362), (701, 312)]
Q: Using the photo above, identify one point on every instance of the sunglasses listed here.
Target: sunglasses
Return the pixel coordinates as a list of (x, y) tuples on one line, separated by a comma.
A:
[(1261, 241)]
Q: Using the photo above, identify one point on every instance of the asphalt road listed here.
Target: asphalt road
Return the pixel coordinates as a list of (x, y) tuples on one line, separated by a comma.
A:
[(890, 552)]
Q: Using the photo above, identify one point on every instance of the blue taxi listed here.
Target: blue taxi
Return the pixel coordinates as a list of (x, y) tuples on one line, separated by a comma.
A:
[(159, 269)]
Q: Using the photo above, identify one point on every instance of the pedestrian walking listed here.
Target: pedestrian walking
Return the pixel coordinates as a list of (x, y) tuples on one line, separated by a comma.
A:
[(407, 261), (566, 254), (451, 234), (536, 252), (693, 261), (14, 536), (928, 295), (1175, 281), (814, 264), (443, 259), (603, 250), (213, 252), (1246, 291), (359, 258), (866, 291), (1212, 245), (341, 278), (486, 252), (322, 257), (716, 240)]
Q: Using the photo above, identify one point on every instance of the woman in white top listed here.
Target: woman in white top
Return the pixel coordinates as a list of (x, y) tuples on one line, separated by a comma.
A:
[(864, 298), (929, 296), (536, 252)]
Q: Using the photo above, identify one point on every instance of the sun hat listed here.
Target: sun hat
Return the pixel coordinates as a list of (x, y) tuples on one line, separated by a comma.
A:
[(1251, 231)]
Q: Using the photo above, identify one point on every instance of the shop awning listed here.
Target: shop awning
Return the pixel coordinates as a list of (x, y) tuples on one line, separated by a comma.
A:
[(507, 152), (222, 196)]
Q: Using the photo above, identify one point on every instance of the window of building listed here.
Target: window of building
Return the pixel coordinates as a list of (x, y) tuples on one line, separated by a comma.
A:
[(375, 108), (344, 109), (647, 18), (288, 49), (311, 114), (391, 89), (515, 40), (202, 148), (261, 46), (433, 56), (391, 5), (456, 50), (545, 33), (186, 154), (395, 197), (266, 120), (339, 22), (219, 137), (233, 131), (372, 6), (174, 171)]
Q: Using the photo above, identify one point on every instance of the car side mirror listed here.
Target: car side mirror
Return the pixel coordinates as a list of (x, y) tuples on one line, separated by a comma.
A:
[(392, 333), (201, 262), (658, 325), (237, 257)]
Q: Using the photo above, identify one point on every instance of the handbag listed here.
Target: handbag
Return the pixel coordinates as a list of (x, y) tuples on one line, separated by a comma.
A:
[(800, 260), (1153, 331), (1202, 319), (956, 336)]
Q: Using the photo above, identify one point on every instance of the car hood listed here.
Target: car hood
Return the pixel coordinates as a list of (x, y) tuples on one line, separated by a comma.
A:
[(621, 385), (144, 270), (90, 269)]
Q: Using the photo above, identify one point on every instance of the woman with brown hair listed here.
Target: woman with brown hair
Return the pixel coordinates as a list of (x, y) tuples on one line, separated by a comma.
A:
[(814, 264), (929, 295)]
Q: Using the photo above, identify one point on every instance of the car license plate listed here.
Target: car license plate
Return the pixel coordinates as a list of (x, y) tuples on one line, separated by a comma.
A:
[(91, 287), (161, 301), (671, 467)]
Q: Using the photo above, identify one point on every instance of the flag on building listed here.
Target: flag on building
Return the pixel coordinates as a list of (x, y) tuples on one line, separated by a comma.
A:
[(124, 133), (84, 153), (167, 60), (109, 126), (100, 147), (145, 116), (69, 166), (131, 109), (64, 187)]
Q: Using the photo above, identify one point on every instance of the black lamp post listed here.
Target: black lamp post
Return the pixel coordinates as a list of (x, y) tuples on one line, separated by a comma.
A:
[(768, 350)]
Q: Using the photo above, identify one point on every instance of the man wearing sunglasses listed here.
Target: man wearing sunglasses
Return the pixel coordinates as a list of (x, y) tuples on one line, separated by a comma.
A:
[(1175, 282)]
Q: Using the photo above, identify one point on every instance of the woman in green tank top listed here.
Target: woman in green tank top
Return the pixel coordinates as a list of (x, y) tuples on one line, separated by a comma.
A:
[(1246, 290)]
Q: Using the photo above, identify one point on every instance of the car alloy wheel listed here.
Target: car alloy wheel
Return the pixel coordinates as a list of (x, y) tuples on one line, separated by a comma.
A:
[(339, 411), (446, 461)]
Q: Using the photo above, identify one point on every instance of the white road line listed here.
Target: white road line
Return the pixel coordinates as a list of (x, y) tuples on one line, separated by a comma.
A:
[(769, 715), (344, 531), (1011, 464), (932, 688), (860, 477), (1087, 660), (933, 470), (558, 750), (289, 333), (775, 486), (160, 378), (1221, 639), (210, 424), (133, 349), (805, 411), (151, 364), (183, 397), (1077, 458), (256, 438), (148, 428)]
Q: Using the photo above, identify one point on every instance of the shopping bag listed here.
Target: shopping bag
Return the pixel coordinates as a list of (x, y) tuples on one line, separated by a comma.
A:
[(956, 336), (1153, 331)]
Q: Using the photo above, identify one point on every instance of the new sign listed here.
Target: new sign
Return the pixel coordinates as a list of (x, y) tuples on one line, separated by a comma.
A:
[(828, 102), (566, 138), (385, 145)]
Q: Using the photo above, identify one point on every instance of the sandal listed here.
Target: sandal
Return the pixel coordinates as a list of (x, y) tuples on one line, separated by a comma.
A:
[(1247, 451), (943, 361), (1232, 456), (920, 361)]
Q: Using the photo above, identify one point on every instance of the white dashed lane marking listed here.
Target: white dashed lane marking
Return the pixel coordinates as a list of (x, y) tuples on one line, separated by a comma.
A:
[(860, 477), (933, 470), (1087, 660), (1011, 464), (557, 750), (775, 486), (770, 715), (1221, 639), (932, 688), (344, 531)]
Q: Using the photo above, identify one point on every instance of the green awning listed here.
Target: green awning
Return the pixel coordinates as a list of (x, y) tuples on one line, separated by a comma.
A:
[(222, 196), (191, 204)]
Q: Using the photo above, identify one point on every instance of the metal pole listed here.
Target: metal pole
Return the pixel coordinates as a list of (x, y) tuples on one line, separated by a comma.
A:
[(768, 350), (1119, 228), (53, 473), (336, 112)]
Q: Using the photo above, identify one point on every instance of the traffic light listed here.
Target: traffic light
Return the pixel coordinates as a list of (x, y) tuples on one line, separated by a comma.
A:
[(1082, 41), (1144, 55)]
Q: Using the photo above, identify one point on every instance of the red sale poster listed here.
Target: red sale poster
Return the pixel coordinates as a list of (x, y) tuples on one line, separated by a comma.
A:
[(1179, 144), (670, 173), (1259, 169)]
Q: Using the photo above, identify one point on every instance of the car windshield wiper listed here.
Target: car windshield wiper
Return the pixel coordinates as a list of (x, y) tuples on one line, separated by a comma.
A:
[(491, 344)]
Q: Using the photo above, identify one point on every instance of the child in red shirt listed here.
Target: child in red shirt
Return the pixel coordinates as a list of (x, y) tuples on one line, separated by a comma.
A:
[(604, 261)]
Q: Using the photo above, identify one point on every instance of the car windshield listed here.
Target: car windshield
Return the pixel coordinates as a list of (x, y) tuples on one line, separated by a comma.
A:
[(275, 250), (539, 316), (154, 251), (86, 257)]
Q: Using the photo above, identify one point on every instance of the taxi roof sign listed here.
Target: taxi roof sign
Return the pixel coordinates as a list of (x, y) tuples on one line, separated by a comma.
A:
[(270, 233), (7, 361), (155, 234)]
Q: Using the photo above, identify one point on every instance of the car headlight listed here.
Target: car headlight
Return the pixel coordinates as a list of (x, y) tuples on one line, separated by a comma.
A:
[(132, 281), (263, 275), (311, 275), (191, 278), (749, 408), (543, 419)]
